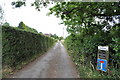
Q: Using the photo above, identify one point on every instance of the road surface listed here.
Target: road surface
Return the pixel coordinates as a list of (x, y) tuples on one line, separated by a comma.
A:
[(54, 64)]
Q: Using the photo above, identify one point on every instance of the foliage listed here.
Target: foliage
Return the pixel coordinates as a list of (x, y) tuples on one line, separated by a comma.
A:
[(37, 3), (1, 15), (6, 24), (88, 26), (54, 36), (18, 3), (115, 45), (40, 33), (84, 53), (77, 15), (60, 38), (26, 28), (20, 46)]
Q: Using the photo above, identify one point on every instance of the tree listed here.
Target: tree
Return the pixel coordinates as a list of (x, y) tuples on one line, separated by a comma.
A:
[(88, 25), (40, 32), (1, 15), (37, 3), (54, 36), (6, 24), (80, 14), (61, 38), (26, 28), (22, 25)]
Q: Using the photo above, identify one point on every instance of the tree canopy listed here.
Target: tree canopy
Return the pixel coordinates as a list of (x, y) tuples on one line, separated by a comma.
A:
[(77, 15)]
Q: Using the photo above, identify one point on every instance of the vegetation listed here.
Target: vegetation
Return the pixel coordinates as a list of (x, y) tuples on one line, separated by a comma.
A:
[(88, 26), (55, 36), (1, 15), (61, 38), (6, 24), (26, 28), (21, 47)]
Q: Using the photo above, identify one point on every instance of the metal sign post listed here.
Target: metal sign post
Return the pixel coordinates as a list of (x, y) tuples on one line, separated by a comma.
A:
[(102, 59)]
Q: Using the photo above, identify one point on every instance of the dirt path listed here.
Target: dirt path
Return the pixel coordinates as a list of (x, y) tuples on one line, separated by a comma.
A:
[(54, 64)]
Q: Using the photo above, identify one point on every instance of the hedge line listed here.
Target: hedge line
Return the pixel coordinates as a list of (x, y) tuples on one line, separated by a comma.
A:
[(20, 46), (84, 49)]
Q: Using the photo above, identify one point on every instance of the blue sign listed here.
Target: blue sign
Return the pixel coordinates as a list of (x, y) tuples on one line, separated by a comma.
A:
[(102, 64)]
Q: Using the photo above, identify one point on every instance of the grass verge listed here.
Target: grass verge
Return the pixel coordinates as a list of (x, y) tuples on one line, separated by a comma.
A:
[(87, 70)]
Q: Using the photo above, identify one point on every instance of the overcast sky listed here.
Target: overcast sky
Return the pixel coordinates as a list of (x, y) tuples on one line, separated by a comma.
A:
[(33, 18)]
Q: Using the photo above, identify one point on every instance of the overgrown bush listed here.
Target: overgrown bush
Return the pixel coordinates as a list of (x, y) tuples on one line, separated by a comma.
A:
[(84, 49)]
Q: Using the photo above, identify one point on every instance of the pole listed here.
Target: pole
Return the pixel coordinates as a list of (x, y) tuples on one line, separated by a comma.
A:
[(63, 32)]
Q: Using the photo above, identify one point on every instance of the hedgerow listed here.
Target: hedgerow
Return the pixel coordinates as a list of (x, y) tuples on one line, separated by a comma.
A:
[(84, 50), (20, 46)]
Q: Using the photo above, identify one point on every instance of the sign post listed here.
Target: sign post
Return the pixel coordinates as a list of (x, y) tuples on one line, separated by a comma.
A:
[(102, 59)]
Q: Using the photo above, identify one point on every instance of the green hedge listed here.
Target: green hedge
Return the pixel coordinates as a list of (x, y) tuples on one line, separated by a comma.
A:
[(20, 45), (84, 49)]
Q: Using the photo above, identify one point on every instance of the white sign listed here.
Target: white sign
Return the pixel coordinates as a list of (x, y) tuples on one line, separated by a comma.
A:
[(105, 48)]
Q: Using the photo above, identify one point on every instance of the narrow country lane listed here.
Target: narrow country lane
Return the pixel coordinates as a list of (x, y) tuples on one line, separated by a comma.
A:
[(54, 64)]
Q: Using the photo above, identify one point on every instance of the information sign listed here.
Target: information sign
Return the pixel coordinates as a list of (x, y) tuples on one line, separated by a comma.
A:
[(102, 64), (102, 59)]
